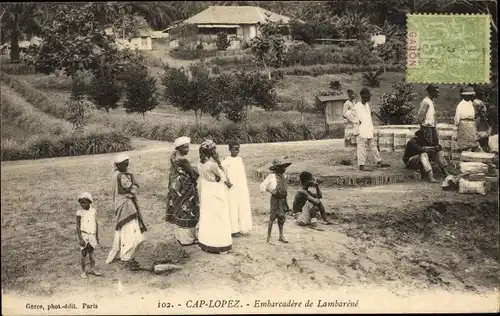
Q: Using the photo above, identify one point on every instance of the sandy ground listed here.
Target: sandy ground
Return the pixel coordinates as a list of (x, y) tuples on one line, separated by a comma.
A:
[(401, 247)]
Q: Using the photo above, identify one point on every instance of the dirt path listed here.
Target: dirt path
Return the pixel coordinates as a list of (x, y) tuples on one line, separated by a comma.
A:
[(393, 238)]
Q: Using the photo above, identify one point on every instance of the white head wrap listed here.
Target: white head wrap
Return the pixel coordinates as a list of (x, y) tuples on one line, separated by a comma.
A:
[(86, 195), (182, 141), (121, 157)]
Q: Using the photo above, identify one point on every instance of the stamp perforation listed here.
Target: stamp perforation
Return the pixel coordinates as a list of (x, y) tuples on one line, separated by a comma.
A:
[(414, 53)]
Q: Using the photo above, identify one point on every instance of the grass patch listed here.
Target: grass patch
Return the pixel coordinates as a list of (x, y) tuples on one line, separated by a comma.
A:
[(29, 133), (34, 96), (17, 69), (49, 146), (22, 114)]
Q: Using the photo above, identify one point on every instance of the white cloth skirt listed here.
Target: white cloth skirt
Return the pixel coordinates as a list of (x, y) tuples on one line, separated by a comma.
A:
[(215, 225), (185, 236), (126, 241)]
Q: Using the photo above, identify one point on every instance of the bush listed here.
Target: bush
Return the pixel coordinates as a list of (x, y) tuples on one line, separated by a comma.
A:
[(330, 69), (362, 54), (308, 32), (222, 41), (105, 91), (140, 90), (396, 107), (78, 108), (81, 83), (372, 78), (17, 69), (49, 146), (240, 61), (216, 70), (187, 53)]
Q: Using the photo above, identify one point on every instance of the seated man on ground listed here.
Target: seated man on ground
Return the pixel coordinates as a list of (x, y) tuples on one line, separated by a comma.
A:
[(307, 204), (419, 154)]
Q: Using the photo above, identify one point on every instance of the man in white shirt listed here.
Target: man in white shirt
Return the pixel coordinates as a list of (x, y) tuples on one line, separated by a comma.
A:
[(365, 129), (426, 116)]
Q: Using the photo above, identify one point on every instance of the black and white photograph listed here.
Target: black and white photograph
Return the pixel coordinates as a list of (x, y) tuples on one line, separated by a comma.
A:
[(249, 157)]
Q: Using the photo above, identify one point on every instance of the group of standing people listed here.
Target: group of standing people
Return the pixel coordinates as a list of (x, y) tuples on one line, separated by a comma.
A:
[(209, 204), (471, 119)]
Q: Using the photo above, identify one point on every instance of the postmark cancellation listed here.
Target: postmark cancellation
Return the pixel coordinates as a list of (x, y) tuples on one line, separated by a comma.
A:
[(448, 48)]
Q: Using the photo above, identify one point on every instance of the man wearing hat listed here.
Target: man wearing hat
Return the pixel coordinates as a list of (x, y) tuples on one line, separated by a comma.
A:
[(465, 120), (275, 183), (419, 154)]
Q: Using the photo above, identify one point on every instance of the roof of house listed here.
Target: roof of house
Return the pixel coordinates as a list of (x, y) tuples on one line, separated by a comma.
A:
[(326, 98), (235, 15)]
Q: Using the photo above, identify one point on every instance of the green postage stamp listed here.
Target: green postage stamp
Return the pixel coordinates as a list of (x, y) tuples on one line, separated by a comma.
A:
[(448, 48)]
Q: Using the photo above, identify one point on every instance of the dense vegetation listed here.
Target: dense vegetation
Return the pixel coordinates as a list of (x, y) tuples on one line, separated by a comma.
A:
[(108, 78)]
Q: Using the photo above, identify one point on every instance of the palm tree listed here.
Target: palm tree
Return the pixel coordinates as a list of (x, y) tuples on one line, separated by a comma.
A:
[(237, 3), (186, 9), (158, 14), (21, 18)]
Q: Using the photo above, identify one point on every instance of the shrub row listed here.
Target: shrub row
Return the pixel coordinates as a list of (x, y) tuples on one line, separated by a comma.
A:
[(187, 53), (343, 55), (301, 70), (303, 55), (17, 69), (263, 133), (49, 146), (22, 114), (330, 69), (34, 96)]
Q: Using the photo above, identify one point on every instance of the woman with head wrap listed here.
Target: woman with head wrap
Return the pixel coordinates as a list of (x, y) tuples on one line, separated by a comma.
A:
[(183, 205), (482, 123), (465, 115), (129, 225), (215, 225)]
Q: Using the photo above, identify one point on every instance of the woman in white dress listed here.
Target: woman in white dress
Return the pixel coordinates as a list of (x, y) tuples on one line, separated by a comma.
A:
[(214, 234), (467, 136), (239, 198), (129, 225)]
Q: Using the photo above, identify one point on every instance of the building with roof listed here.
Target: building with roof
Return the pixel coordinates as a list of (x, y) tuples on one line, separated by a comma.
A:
[(237, 21), (143, 40)]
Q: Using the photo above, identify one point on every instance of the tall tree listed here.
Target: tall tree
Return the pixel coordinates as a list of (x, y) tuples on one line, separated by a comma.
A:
[(269, 47), (21, 18)]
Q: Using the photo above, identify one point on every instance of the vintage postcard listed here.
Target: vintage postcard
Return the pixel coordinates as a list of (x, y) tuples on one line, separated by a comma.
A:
[(249, 157)]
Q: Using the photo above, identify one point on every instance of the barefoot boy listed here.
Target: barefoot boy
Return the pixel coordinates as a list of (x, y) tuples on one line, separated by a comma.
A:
[(308, 204), (275, 184), (87, 231)]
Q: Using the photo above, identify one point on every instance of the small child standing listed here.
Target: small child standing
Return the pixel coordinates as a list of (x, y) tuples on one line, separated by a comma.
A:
[(87, 232), (275, 183), (239, 197)]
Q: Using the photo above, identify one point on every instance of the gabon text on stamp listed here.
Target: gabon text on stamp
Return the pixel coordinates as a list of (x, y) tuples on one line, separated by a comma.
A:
[(448, 48)]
